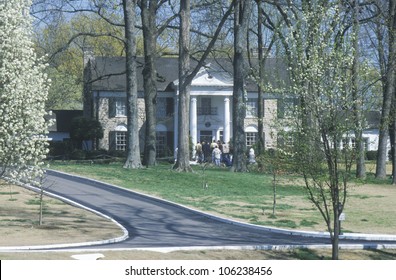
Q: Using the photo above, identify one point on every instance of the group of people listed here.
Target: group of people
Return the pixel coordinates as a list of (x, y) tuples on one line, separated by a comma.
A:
[(215, 152)]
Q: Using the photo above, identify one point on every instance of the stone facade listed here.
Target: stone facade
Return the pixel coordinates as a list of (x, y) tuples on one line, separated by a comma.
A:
[(111, 123)]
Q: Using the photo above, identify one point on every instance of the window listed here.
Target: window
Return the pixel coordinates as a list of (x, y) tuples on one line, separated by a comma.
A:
[(206, 102), (165, 107), (286, 107), (120, 107), (161, 143), (251, 138), (251, 107), (353, 143), (117, 107), (120, 140), (206, 107)]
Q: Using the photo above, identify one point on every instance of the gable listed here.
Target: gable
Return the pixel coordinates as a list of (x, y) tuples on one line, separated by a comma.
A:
[(210, 77)]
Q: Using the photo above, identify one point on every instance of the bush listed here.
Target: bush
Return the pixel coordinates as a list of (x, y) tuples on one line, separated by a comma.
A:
[(371, 155), (85, 129), (97, 154), (118, 154), (57, 149), (78, 155)]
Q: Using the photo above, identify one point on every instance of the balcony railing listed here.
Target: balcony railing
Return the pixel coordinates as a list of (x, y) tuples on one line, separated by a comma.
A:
[(207, 111)]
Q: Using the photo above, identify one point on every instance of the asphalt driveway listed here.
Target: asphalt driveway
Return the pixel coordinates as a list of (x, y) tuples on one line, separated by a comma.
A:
[(155, 223)]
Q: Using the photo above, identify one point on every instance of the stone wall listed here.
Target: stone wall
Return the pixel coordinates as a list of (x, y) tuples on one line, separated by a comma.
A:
[(110, 123), (270, 113)]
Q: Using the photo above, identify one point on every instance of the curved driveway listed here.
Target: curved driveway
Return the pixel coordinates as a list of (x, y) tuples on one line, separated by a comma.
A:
[(155, 223)]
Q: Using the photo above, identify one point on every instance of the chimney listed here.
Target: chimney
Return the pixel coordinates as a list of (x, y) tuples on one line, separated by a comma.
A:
[(88, 58), (88, 55)]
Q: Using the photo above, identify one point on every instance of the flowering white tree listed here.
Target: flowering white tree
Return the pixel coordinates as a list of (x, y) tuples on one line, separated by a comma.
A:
[(23, 91), (320, 49)]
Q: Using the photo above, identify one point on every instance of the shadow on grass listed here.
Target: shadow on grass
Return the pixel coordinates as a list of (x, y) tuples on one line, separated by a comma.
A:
[(307, 254), (382, 255)]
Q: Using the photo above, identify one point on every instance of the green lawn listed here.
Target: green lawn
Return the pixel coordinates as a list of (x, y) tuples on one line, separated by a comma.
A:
[(248, 197)]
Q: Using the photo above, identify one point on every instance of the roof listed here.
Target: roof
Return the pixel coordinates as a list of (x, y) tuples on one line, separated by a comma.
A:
[(108, 73)]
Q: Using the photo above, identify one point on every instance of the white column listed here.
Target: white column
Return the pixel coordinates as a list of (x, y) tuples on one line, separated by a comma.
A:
[(193, 123), (226, 132)]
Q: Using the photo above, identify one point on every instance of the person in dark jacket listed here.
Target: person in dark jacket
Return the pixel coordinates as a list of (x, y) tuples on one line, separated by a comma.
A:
[(206, 151)]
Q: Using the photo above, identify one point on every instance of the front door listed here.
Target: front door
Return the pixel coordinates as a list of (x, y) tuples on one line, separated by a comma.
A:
[(206, 135)]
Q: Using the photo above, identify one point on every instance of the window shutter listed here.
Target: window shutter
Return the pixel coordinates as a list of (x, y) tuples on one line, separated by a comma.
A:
[(112, 142), (112, 109), (170, 106)]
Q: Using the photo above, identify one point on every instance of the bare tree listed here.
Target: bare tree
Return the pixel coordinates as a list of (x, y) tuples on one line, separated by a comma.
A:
[(391, 83), (149, 12), (186, 75), (133, 149), (387, 66), (183, 151), (242, 13), (265, 28), (356, 96)]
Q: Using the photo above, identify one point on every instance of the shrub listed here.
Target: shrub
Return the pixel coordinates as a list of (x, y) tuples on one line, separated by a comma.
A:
[(85, 129), (371, 155), (57, 149), (78, 155), (97, 154), (118, 154)]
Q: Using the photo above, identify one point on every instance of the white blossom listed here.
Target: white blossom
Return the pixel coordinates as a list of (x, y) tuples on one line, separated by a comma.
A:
[(23, 91)]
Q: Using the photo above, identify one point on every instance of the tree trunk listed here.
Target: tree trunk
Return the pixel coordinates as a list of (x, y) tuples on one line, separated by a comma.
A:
[(133, 149), (183, 152), (392, 84), (387, 95), (148, 13), (380, 172), (335, 240), (260, 105), (392, 136), (357, 100), (274, 190), (337, 210), (241, 22)]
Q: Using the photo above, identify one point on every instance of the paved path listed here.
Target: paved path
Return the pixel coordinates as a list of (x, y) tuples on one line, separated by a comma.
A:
[(154, 223)]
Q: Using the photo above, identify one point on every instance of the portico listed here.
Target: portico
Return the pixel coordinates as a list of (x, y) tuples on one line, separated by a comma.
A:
[(210, 123)]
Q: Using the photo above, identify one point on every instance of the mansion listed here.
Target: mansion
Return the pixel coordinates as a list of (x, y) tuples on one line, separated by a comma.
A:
[(210, 103)]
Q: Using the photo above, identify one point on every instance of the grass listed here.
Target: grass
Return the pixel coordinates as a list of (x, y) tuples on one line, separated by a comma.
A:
[(242, 196), (297, 254), (62, 223), (248, 197)]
